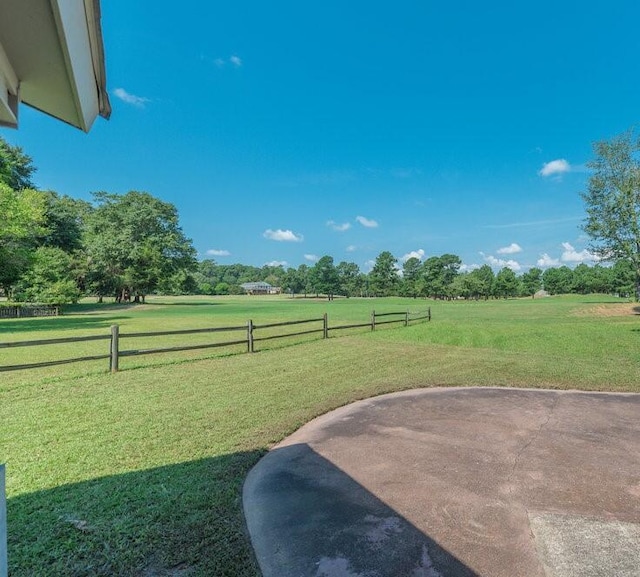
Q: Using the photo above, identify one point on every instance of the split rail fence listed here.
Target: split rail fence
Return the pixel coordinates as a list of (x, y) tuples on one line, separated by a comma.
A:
[(22, 311), (250, 338)]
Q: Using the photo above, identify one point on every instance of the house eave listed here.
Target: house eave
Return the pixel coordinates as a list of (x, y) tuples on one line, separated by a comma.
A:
[(53, 50)]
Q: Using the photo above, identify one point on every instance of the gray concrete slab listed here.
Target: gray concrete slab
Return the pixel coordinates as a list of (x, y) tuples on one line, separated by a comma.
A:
[(454, 483)]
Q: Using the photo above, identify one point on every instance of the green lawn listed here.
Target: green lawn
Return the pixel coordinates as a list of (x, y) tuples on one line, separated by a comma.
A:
[(140, 472)]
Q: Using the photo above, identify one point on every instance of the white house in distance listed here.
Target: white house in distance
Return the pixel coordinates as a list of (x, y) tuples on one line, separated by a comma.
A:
[(52, 58), (260, 288)]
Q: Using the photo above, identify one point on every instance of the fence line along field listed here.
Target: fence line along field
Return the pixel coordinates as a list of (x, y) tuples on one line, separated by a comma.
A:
[(140, 472), (249, 330)]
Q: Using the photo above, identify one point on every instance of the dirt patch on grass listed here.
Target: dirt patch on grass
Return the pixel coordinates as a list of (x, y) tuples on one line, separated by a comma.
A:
[(610, 310)]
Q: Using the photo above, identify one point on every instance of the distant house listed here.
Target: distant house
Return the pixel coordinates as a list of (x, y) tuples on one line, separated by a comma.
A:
[(52, 58), (260, 288)]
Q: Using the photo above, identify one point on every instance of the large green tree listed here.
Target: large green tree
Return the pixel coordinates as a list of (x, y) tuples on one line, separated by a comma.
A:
[(133, 241), (484, 278), (324, 277), (612, 201), (439, 273), (384, 275), (351, 280), (411, 276), (506, 283)]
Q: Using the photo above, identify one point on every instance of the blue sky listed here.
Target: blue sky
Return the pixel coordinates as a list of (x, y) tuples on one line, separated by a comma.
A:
[(284, 131)]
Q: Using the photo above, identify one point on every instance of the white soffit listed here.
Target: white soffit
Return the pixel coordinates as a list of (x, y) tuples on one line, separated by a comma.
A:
[(54, 48), (8, 92)]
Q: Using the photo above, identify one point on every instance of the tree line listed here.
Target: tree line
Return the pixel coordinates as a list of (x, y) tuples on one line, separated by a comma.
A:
[(437, 277), (56, 249)]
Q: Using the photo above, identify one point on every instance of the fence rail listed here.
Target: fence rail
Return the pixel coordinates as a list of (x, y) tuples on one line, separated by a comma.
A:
[(249, 339), (20, 311)]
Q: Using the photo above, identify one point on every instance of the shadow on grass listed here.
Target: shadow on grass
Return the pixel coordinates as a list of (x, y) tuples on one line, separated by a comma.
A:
[(186, 519), (308, 517), (183, 519), (59, 323)]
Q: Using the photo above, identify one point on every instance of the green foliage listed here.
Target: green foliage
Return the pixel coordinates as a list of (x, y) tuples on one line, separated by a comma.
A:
[(612, 201), (439, 273), (64, 221), (295, 280), (531, 282), (350, 279), (558, 281), (22, 220), (49, 280), (506, 284), (324, 277), (181, 282), (622, 279), (383, 278), (484, 279), (16, 168), (411, 276), (23, 213), (134, 241)]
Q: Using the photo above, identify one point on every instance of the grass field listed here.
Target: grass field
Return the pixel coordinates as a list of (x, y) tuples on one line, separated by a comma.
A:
[(140, 472)]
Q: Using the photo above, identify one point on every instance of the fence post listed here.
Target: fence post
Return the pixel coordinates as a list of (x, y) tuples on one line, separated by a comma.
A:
[(373, 320), (113, 359), (4, 564), (325, 326), (250, 348), (406, 319), (429, 310)]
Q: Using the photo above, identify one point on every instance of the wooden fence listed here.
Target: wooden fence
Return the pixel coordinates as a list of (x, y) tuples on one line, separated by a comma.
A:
[(20, 311), (249, 338)]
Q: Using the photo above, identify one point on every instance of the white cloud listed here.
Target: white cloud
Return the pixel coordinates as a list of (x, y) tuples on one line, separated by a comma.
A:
[(369, 223), (132, 99), (501, 263), (570, 254), (370, 264), (337, 226), (233, 60), (469, 267), (218, 252), (276, 263), (513, 248), (555, 168), (282, 235), (546, 261), (351, 248), (419, 254), (311, 257)]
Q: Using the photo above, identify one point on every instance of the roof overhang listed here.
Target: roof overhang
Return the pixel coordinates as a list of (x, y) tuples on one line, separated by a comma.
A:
[(52, 58)]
